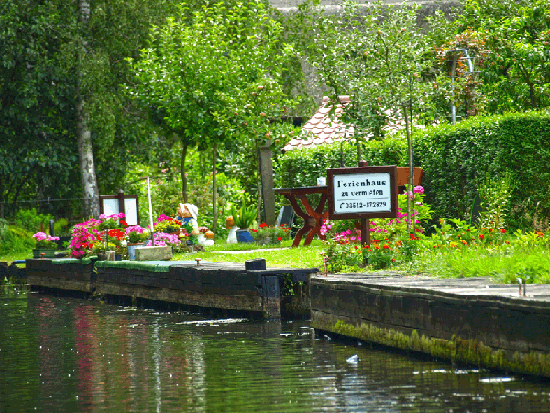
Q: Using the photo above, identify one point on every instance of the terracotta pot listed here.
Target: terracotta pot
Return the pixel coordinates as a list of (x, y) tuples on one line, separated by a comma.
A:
[(209, 235)]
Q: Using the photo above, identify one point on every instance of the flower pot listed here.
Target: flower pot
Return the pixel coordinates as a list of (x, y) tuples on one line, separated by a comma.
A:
[(132, 250), (118, 257), (243, 236), (48, 253), (101, 256), (209, 235)]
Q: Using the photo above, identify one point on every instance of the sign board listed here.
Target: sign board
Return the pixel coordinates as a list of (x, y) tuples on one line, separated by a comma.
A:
[(362, 192), (114, 204)]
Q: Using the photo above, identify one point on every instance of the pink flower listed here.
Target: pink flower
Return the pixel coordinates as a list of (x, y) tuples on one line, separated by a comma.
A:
[(40, 236), (418, 189)]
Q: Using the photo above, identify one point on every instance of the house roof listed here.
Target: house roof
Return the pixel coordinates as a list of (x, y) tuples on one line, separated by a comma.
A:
[(322, 129)]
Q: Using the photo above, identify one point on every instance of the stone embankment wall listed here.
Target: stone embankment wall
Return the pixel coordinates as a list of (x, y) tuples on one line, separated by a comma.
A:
[(469, 321)]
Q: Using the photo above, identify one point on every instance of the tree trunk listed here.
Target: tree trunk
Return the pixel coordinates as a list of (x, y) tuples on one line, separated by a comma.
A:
[(90, 191), (214, 188), (258, 185), (183, 173)]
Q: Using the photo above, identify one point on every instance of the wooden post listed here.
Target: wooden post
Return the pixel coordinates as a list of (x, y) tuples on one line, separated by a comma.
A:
[(120, 197), (266, 170), (365, 225)]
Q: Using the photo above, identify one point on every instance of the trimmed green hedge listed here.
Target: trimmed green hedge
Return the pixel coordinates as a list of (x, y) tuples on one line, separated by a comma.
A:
[(456, 160), (302, 167)]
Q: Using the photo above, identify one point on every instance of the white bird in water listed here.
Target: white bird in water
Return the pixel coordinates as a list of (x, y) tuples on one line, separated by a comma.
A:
[(353, 359)]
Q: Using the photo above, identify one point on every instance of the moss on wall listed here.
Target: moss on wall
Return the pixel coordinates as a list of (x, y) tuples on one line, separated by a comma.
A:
[(455, 350)]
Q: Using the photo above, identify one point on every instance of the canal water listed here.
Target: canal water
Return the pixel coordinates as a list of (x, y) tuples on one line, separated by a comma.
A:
[(60, 354)]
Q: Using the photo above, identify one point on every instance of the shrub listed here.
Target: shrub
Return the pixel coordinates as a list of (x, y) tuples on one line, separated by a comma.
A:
[(30, 219), (457, 159), (302, 167), (16, 240)]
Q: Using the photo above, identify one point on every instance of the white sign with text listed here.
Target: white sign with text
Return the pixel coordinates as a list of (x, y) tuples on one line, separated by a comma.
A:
[(362, 193)]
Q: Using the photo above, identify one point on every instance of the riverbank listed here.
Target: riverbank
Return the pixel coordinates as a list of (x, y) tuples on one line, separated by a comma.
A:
[(470, 321), (248, 287)]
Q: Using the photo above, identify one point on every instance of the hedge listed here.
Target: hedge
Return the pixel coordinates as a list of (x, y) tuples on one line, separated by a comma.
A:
[(457, 160), (302, 167)]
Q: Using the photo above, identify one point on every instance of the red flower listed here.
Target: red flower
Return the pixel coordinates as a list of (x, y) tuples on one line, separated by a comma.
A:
[(123, 223), (481, 236), (503, 230), (280, 239), (386, 246), (356, 247), (263, 225)]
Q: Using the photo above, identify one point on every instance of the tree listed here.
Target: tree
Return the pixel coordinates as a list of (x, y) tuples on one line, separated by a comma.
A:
[(36, 94), (215, 77), (517, 34), (61, 78), (377, 56)]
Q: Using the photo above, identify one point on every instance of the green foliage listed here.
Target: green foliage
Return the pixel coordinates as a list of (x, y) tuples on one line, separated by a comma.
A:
[(302, 167), (495, 202), (517, 33), (3, 228), (270, 234), (376, 56), (30, 220), (457, 159), (244, 216), (16, 240), (216, 75), (61, 227)]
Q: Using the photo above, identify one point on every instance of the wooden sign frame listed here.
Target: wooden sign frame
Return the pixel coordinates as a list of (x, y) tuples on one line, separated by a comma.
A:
[(360, 184), (117, 204)]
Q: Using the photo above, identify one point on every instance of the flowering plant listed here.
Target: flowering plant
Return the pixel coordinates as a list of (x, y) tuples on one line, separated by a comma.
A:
[(163, 239), (270, 234), (135, 234), (390, 241), (83, 238), (166, 224), (45, 241), (113, 221)]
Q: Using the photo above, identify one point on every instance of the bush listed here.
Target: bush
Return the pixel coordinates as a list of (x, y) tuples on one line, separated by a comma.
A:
[(30, 220), (16, 240), (458, 159), (302, 167)]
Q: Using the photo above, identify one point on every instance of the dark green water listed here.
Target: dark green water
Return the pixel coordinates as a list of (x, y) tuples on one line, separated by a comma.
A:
[(70, 355)]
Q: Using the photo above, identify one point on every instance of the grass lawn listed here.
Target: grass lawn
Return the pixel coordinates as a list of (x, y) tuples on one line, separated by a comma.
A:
[(275, 256), (15, 256), (282, 255)]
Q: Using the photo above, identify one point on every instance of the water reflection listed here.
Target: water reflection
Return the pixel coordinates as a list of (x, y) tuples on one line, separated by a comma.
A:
[(62, 354)]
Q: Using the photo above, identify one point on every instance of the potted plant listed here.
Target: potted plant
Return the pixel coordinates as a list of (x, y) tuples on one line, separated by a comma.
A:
[(135, 237), (243, 217), (46, 245)]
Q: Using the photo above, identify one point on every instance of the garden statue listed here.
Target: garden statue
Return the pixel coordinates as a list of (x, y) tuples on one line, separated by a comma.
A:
[(187, 214), (230, 225)]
